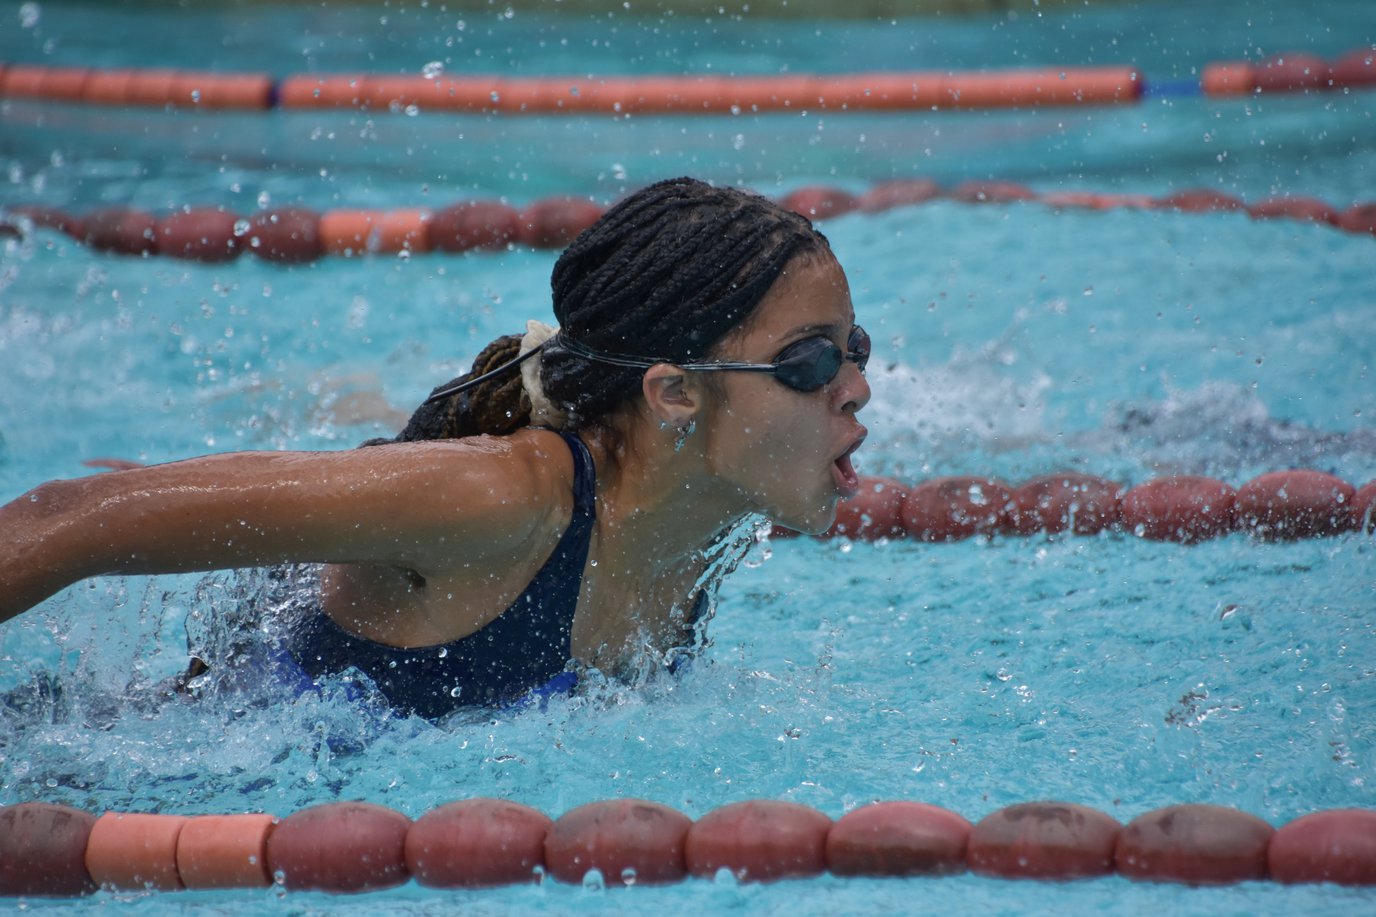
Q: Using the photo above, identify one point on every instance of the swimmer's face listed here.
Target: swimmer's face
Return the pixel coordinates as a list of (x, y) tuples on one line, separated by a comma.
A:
[(787, 453)]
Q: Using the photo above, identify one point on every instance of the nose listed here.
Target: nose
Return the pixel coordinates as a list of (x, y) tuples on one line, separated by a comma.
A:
[(851, 390)]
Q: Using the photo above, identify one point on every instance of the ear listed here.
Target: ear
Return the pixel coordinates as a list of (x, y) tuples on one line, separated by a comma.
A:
[(670, 396)]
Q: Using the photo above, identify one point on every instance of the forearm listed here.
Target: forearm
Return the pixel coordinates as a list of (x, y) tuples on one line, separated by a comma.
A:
[(37, 556), (157, 520)]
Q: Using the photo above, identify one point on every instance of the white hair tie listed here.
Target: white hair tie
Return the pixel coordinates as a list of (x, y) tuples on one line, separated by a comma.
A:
[(542, 410)]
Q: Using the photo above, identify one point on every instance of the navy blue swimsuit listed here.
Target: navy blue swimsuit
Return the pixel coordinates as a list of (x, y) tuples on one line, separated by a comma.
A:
[(524, 649)]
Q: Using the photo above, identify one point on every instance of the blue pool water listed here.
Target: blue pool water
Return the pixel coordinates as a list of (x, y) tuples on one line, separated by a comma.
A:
[(1012, 341)]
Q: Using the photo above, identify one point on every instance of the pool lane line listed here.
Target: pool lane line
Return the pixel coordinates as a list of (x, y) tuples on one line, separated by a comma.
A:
[(350, 847), (297, 234), (652, 94)]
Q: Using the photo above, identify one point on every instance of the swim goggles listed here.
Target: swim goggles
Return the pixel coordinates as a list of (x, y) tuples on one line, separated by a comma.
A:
[(803, 366)]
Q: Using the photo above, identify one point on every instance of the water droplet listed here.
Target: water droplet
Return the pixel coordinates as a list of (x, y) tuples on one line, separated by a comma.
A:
[(432, 70)]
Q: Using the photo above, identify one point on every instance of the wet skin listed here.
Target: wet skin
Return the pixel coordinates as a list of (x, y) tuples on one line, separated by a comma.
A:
[(427, 542)]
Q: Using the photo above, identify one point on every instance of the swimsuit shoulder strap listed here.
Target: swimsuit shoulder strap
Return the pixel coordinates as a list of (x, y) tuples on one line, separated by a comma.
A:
[(584, 476)]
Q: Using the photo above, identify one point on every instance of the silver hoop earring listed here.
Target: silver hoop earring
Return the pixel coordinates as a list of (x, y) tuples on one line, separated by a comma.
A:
[(683, 433)]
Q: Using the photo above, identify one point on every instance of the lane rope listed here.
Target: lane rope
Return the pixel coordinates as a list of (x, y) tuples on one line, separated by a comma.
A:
[(53, 850), (297, 234), (1292, 72)]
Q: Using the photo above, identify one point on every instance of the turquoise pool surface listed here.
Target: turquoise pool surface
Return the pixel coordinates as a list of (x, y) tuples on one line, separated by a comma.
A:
[(1011, 340)]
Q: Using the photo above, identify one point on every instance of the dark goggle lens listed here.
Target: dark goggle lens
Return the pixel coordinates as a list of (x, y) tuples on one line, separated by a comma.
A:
[(810, 364)]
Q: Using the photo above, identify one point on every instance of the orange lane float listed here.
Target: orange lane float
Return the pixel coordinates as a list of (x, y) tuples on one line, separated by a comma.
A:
[(477, 843), (898, 839), (340, 847), (359, 232), (628, 841), (955, 508), (1031, 88), (225, 851), (199, 234), (1194, 844), (1233, 78), (1295, 504), (43, 850), (1338, 845), (758, 841), (131, 851), (1044, 840), (1184, 508)]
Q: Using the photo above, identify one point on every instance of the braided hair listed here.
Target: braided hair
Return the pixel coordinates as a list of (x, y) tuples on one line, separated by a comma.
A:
[(667, 272)]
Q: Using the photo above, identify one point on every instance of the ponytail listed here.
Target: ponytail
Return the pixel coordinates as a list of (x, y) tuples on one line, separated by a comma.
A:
[(496, 407)]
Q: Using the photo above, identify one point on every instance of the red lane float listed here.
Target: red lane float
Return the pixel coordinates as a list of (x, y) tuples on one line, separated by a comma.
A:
[(1295, 504), (121, 231), (902, 192), (991, 192), (475, 224), (1359, 218), (875, 512), (1355, 69), (130, 851), (475, 843), (199, 234), (1292, 72), (1338, 845), (819, 203), (628, 841), (1295, 208), (289, 235), (53, 218), (1184, 508), (1053, 503), (898, 839), (225, 851), (1364, 508), (1194, 844), (758, 841), (954, 508), (43, 850), (1201, 200), (1043, 840), (340, 847), (557, 221)]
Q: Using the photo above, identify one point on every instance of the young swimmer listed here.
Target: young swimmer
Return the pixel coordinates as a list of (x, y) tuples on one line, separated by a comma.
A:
[(552, 506)]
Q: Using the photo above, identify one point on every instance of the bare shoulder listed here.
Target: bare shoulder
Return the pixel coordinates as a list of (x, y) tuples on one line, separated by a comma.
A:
[(503, 489)]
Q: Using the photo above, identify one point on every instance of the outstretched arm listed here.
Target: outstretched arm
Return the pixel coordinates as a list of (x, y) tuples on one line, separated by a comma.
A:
[(416, 506)]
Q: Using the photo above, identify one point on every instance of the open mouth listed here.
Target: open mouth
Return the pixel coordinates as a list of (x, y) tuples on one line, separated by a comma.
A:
[(843, 471)]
